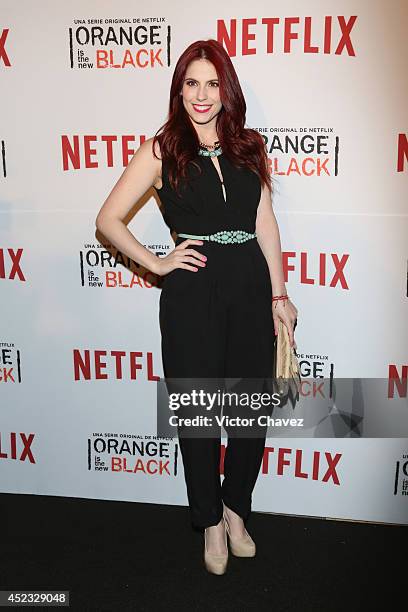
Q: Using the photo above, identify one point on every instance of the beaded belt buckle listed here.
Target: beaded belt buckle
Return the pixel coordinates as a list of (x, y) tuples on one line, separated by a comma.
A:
[(224, 236)]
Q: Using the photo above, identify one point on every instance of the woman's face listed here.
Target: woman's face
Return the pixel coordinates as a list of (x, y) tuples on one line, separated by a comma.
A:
[(201, 94)]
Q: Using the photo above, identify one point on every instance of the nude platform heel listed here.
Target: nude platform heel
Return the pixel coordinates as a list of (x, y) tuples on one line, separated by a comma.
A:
[(240, 547), (215, 564)]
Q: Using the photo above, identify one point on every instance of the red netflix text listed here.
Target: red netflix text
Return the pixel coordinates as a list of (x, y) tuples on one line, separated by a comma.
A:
[(120, 365), (16, 446), (309, 34)]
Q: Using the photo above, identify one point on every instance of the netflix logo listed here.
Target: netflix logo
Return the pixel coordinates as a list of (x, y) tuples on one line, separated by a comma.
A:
[(80, 152), (297, 463), (113, 365), (323, 269), (402, 152), (267, 35), (10, 363), (4, 58), (10, 264), (136, 43), (397, 381), (16, 446)]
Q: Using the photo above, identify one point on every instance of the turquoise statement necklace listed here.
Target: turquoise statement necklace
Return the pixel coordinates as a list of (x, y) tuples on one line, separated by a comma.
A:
[(205, 150)]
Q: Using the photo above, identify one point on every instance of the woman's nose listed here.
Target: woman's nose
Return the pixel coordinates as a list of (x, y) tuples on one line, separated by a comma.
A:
[(202, 94)]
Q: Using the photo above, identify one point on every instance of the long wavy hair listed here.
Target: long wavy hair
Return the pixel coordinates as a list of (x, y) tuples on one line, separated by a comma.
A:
[(179, 141)]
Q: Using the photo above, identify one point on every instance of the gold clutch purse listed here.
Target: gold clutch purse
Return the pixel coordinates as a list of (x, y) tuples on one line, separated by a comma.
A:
[(286, 366)]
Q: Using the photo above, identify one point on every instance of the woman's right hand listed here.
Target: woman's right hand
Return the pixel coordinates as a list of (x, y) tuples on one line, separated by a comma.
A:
[(181, 257)]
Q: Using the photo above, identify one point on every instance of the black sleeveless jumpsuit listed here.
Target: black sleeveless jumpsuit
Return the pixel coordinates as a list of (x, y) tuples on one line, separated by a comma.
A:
[(217, 322)]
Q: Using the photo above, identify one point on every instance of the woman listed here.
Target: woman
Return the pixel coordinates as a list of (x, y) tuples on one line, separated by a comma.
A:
[(222, 294)]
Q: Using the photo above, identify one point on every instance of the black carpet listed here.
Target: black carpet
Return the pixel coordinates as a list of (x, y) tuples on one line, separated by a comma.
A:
[(115, 555)]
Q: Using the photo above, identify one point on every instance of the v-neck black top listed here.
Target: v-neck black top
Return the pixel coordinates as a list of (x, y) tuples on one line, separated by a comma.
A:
[(201, 208)]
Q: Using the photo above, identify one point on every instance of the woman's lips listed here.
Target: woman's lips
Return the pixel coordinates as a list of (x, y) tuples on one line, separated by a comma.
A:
[(202, 108)]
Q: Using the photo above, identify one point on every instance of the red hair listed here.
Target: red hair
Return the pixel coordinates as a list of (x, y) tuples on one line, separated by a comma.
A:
[(179, 141)]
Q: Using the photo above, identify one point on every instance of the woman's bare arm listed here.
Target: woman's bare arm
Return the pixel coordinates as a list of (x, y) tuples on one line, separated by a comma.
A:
[(268, 236), (139, 175)]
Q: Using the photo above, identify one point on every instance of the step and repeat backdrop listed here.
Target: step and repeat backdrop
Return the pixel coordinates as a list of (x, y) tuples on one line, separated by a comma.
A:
[(83, 85)]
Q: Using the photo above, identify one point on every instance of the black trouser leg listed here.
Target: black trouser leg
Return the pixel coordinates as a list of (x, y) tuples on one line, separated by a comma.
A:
[(249, 354), (193, 347), (210, 330)]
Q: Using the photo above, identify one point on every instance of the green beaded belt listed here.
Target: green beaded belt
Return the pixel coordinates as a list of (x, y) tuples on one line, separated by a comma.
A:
[(224, 236)]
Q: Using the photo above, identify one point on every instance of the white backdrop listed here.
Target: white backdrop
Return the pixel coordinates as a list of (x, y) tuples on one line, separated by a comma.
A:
[(342, 192)]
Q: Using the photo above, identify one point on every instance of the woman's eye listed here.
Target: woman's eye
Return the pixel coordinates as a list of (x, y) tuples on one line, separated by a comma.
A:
[(192, 83)]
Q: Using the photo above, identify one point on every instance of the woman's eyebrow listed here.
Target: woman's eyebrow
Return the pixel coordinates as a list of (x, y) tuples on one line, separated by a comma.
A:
[(192, 79)]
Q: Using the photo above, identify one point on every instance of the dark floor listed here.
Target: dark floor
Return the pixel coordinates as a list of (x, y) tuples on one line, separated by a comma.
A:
[(115, 555)]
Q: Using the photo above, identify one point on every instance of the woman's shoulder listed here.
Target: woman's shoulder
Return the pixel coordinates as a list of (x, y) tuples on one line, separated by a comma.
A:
[(149, 147), (149, 154)]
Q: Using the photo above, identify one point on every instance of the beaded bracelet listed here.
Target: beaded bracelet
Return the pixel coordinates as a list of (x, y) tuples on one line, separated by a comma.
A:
[(280, 297)]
